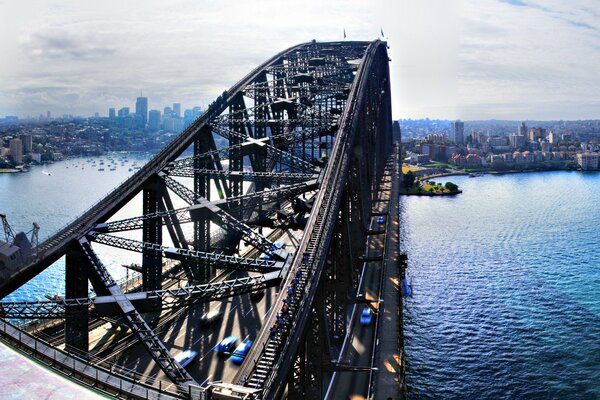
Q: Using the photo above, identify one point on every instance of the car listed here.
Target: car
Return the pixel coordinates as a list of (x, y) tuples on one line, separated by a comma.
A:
[(265, 256), (380, 220), (366, 316), (210, 317), (257, 295), (226, 345), (278, 245), (186, 357), (240, 352)]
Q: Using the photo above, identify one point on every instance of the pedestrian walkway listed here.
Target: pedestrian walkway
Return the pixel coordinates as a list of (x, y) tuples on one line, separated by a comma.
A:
[(22, 378)]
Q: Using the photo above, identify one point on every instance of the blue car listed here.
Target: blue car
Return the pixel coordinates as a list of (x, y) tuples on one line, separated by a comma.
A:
[(380, 220), (366, 316), (226, 345), (240, 352)]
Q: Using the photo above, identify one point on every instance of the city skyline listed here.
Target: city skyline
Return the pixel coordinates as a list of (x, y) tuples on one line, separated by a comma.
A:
[(503, 59)]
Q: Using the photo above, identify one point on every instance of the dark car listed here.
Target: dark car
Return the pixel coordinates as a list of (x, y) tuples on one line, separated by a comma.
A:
[(257, 295), (210, 317)]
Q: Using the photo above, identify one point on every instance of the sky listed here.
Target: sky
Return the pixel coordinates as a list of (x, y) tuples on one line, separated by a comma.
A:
[(451, 59)]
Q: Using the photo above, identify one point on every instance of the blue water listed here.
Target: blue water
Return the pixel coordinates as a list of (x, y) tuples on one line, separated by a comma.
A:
[(506, 288), (55, 194)]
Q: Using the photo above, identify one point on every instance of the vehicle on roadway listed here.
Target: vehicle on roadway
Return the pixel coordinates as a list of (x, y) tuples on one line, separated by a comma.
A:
[(257, 295), (210, 317), (226, 345), (240, 352), (366, 317), (380, 220), (186, 357)]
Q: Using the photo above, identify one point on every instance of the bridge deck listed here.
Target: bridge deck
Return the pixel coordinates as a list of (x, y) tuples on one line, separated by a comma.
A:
[(379, 282), (388, 380)]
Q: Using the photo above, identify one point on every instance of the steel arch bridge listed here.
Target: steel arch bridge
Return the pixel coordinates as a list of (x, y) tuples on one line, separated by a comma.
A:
[(299, 143)]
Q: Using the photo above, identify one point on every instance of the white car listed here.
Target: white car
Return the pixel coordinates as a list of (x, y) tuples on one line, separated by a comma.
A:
[(186, 357)]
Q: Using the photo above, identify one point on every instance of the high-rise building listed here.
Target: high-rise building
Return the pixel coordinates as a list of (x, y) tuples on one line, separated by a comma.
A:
[(522, 130), (458, 128), (123, 112), (177, 109), (537, 133), (141, 109), (16, 150), (111, 113), (167, 111), (27, 142), (48, 115), (154, 119)]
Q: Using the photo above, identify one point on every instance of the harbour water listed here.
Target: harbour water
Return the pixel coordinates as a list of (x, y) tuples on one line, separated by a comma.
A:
[(53, 195), (506, 288)]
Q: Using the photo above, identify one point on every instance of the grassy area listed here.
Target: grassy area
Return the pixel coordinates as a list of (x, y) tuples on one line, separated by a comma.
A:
[(439, 165), (427, 187), (8, 170), (413, 168)]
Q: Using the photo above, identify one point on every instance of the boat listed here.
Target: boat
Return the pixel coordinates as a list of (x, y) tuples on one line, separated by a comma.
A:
[(100, 169), (406, 287)]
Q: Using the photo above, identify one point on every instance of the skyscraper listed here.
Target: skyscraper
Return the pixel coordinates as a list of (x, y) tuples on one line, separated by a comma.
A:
[(154, 119), (522, 129), (16, 150), (459, 132), (111, 113), (141, 109), (27, 142), (123, 112), (177, 109)]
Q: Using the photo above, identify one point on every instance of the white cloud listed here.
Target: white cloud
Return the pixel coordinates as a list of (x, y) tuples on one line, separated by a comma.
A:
[(450, 58)]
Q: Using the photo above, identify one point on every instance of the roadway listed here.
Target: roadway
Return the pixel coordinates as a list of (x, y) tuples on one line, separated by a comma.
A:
[(180, 330), (361, 338)]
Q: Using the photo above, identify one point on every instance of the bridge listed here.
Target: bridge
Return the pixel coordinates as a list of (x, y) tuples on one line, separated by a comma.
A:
[(274, 209)]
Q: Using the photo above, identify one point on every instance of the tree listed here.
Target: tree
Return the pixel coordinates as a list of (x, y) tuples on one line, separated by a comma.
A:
[(409, 179), (451, 186)]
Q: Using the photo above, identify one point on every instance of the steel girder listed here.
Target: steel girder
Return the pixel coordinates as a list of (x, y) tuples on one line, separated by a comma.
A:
[(140, 328), (167, 298), (182, 214), (275, 177), (219, 216), (219, 260)]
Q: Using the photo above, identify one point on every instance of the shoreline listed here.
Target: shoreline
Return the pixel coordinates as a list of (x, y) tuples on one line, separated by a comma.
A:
[(441, 175), (430, 194)]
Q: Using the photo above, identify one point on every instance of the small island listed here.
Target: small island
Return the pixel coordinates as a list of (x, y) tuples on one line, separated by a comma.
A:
[(411, 186)]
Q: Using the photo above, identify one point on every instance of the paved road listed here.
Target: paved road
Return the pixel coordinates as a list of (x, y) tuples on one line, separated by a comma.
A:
[(242, 318), (354, 384)]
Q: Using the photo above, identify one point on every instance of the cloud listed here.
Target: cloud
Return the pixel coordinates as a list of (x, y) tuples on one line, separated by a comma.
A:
[(64, 45), (451, 59)]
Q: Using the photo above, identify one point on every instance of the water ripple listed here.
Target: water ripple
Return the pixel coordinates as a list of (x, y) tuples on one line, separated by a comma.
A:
[(506, 279)]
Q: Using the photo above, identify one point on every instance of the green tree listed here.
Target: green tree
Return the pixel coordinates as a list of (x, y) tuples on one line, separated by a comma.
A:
[(451, 186), (409, 179)]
